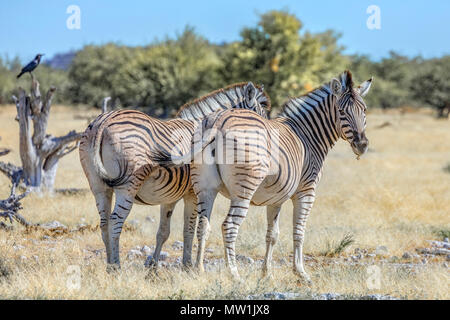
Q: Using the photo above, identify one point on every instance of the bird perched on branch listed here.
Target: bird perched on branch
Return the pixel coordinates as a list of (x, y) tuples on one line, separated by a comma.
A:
[(31, 66)]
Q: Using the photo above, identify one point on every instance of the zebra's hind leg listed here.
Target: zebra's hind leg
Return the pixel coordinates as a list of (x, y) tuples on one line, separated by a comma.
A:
[(190, 223), (103, 200), (123, 205), (302, 208), (273, 230), (166, 212), (230, 228), (204, 207)]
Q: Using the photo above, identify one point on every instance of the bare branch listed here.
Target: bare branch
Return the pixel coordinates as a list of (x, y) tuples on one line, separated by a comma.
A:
[(4, 151), (105, 104), (36, 103), (11, 171), (9, 208)]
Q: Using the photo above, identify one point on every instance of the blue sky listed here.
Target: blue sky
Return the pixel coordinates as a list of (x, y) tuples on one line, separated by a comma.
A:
[(409, 27)]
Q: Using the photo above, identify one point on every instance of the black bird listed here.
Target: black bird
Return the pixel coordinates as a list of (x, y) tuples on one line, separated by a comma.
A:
[(31, 66)]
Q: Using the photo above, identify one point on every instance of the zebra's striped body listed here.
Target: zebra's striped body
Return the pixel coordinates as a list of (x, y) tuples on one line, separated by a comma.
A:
[(116, 153), (280, 159)]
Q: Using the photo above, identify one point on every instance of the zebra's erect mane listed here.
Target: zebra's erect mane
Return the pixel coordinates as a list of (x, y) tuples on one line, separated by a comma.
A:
[(322, 91), (218, 99)]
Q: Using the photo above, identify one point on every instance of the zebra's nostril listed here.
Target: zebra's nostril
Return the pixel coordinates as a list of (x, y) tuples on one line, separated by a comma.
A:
[(363, 144)]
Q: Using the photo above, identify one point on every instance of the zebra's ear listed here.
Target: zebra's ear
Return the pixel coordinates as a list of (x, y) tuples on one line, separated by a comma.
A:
[(336, 87), (250, 93), (364, 87)]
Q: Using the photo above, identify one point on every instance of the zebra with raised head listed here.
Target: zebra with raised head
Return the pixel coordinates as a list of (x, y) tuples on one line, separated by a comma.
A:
[(273, 161), (116, 155)]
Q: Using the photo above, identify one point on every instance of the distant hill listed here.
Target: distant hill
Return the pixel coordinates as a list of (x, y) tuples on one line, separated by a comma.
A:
[(61, 60)]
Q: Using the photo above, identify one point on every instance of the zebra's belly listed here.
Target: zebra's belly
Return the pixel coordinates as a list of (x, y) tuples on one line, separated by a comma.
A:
[(268, 193), (164, 185)]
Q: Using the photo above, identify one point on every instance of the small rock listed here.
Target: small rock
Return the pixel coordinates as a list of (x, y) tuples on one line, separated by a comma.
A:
[(275, 296), (446, 240), (53, 225), (146, 250), (407, 255), (178, 245), (329, 296), (381, 251), (245, 259), (133, 253), (393, 259), (424, 261), (371, 255), (163, 255)]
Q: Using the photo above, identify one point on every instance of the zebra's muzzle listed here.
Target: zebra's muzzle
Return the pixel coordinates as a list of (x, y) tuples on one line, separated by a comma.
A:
[(360, 147)]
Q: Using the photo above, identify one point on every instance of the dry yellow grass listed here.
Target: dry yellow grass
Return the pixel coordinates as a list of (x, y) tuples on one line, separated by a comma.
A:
[(397, 195)]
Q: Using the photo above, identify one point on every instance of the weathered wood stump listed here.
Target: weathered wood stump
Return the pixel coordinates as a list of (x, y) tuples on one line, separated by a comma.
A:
[(39, 151)]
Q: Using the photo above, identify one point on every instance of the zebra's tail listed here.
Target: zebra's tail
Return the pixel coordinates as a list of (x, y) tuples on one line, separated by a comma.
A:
[(92, 144)]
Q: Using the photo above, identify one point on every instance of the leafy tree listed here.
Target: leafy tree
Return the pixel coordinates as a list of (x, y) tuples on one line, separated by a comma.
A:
[(93, 71), (275, 54), (431, 85), (164, 76), (392, 75), (6, 82)]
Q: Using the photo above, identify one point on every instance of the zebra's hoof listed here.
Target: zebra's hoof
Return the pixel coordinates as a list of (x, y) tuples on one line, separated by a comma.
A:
[(112, 268), (304, 278)]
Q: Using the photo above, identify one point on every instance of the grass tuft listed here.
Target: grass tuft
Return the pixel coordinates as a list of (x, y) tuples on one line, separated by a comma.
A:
[(442, 233), (5, 271), (336, 248)]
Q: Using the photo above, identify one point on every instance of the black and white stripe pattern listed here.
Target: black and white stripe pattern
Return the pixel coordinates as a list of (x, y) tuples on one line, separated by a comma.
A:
[(116, 155), (287, 158)]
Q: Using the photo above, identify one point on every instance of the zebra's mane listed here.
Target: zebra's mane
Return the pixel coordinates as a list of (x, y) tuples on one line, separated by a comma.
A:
[(320, 92), (217, 100)]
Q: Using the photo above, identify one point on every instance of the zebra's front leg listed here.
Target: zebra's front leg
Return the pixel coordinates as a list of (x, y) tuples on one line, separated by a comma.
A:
[(230, 229), (166, 211), (302, 208), (123, 205), (273, 230), (190, 223), (204, 207)]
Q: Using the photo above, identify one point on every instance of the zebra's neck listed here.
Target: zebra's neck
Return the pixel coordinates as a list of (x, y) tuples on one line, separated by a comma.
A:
[(227, 98), (314, 118)]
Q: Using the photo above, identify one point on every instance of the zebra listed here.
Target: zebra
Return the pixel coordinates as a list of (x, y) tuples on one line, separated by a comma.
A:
[(280, 159), (116, 155)]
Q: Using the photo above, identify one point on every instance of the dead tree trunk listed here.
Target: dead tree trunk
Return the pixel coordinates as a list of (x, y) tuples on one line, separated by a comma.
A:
[(39, 151)]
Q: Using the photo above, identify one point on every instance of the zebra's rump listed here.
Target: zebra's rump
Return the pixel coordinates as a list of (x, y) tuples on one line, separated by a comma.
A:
[(122, 143)]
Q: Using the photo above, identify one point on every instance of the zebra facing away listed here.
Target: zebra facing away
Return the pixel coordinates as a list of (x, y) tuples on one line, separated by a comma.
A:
[(116, 155), (280, 159)]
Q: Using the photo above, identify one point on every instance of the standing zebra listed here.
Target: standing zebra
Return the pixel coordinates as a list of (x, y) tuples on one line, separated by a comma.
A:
[(280, 159), (116, 155)]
